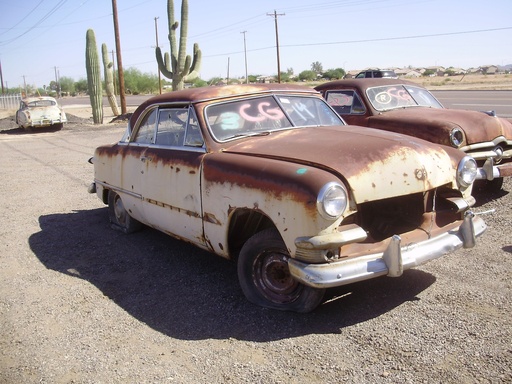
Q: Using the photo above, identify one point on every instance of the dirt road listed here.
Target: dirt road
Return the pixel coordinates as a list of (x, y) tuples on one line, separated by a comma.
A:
[(81, 303)]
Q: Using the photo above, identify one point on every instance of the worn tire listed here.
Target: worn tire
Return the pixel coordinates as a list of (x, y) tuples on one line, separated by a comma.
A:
[(265, 277), (119, 217)]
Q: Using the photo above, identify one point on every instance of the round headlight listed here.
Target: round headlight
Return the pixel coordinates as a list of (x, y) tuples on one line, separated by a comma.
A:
[(456, 137), (466, 171), (332, 200)]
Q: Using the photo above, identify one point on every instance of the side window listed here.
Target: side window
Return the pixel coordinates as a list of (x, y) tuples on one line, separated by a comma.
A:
[(193, 137), (358, 107), (345, 102), (171, 126), (146, 131)]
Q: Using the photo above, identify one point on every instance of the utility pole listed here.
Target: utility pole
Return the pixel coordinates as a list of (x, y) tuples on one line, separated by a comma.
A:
[(245, 53), (275, 14), (119, 59), (158, 70), (2, 78), (227, 80), (57, 81)]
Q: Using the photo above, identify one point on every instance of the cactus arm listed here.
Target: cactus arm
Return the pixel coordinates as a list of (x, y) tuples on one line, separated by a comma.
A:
[(109, 80), (163, 66)]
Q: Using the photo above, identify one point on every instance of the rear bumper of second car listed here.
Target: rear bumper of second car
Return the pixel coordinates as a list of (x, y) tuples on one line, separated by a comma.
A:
[(46, 122), (396, 258)]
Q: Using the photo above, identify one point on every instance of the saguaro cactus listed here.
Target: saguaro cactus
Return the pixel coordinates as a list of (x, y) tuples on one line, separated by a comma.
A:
[(109, 80), (179, 67), (93, 77)]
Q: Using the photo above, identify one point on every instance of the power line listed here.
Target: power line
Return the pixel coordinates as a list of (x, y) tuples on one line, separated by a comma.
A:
[(400, 38)]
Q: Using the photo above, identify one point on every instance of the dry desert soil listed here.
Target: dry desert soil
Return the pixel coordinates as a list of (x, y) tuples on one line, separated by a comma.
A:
[(82, 303)]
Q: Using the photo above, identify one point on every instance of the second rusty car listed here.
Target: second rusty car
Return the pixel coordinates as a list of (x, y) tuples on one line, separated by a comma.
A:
[(269, 176), (405, 107), (40, 112)]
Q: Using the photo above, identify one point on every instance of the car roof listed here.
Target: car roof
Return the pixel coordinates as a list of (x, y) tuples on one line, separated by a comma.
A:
[(196, 95), (362, 83), (38, 98)]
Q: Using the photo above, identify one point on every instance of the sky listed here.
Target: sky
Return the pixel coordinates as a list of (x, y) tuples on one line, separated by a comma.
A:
[(42, 39)]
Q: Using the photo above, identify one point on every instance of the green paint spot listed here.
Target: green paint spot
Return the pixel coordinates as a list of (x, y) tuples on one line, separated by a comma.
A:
[(301, 171)]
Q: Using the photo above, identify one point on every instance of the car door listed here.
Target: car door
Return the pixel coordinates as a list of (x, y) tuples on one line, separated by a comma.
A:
[(132, 165), (171, 188)]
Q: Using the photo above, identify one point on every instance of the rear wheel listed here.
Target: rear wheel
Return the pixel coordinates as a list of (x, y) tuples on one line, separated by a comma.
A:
[(265, 277), (119, 217)]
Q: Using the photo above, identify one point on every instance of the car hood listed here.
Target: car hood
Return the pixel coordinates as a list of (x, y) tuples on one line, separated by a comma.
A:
[(375, 164), (435, 124)]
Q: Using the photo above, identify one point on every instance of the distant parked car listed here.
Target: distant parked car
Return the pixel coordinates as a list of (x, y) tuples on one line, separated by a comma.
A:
[(377, 74), (269, 175), (39, 112), (404, 107)]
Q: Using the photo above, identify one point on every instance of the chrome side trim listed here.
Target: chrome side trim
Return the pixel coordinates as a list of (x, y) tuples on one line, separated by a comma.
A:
[(117, 189)]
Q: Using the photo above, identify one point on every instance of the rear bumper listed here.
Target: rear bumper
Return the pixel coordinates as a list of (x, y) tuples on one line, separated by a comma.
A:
[(46, 122), (392, 262)]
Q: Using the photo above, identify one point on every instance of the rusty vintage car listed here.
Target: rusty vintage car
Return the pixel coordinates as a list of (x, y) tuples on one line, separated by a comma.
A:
[(269, 176), (405, 107), (40, 112)]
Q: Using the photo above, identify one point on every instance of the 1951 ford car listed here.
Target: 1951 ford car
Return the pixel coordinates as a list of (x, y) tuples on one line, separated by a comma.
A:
[(269, 176), (405, 107)]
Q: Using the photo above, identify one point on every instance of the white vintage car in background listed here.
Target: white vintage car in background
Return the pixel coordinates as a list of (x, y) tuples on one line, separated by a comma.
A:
[(40, 112), (270, 176)]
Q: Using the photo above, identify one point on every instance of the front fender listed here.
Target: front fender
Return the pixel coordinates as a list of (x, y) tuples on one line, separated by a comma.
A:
[(283, 191)]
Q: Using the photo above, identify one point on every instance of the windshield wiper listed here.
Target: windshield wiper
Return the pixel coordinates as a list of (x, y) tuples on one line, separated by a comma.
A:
[(248, 134)]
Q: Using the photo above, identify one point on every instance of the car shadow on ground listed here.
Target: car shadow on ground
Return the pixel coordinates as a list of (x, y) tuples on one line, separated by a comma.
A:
[(483, 197), (186, 293), (22, 131)]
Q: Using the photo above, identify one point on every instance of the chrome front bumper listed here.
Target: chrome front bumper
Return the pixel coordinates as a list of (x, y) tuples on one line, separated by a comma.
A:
[(490, 171), (392, 262)]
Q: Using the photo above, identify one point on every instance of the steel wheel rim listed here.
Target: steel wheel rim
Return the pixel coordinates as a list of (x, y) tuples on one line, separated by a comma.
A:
[(119, 210), (273, 279)]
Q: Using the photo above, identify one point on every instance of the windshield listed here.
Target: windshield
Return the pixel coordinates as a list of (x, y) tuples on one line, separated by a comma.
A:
[(388, 97), (262, 115), (41, 103)]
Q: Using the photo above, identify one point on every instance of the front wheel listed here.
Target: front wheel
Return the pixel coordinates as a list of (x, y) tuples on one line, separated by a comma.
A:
[(265, 277), (119, 217)]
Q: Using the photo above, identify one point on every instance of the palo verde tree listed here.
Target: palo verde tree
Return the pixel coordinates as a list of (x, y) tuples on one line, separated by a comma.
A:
[(178, 66)]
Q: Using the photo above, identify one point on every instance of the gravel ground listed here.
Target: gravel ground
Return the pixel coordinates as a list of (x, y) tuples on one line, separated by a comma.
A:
[(81, 303)]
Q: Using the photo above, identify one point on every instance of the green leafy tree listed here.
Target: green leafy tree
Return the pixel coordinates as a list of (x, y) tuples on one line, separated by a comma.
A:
[(307, 75), (199, 83), (317, 67), (253, 78), (334, 74), (67, 85), (81, 86), (137, 82)]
